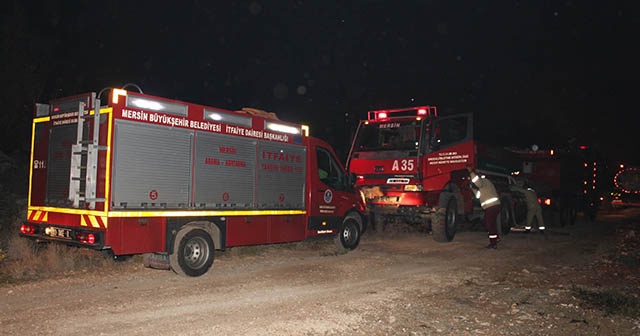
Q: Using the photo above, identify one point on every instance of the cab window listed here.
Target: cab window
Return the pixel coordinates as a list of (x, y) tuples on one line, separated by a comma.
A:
[(329, 171), (448, 131)]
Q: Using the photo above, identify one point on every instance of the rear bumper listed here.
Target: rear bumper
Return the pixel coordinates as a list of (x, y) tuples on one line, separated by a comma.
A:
[(399, 210), (75, 236)]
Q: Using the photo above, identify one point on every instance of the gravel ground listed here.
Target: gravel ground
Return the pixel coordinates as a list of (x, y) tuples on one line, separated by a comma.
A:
[(402, 283)]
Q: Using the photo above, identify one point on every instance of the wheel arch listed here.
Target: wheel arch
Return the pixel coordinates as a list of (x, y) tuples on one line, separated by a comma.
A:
[(214, 226), (358, 216), (452, 190)]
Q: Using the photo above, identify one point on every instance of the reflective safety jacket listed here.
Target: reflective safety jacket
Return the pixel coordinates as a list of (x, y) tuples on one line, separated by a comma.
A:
[(486, 192), (530, 196)]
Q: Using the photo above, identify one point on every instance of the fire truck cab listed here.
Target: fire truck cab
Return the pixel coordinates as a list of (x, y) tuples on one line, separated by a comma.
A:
[(411, 164), (148, 175)]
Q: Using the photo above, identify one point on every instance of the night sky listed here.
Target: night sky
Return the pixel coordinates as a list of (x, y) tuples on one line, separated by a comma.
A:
[(543, 72)]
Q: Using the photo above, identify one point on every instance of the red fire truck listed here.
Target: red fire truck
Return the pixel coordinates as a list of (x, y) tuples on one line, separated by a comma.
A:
[(411, 163), (567, 180), (150, 175)]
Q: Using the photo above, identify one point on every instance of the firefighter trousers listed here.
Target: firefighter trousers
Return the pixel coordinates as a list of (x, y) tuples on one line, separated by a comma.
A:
[(490, 218)]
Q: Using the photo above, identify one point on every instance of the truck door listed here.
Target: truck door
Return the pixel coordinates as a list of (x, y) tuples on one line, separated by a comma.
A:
[(447, 145), (329, 189)]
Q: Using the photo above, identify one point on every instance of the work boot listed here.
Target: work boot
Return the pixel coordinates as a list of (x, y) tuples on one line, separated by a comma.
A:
[(493, 242)]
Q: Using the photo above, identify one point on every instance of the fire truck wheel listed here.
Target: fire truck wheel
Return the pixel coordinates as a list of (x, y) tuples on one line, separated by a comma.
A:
[(348, 237), (443, 222), (193, 253), (505, 218)]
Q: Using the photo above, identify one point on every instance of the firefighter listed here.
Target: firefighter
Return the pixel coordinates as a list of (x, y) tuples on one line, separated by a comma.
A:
[(486, 193), (533, 207)]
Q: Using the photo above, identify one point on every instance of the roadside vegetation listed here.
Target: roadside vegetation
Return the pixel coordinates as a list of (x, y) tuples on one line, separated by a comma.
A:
[(22, 260)]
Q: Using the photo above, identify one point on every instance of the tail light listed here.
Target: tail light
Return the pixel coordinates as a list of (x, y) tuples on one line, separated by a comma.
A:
[(27, 229), (545, 201), (86, 237)]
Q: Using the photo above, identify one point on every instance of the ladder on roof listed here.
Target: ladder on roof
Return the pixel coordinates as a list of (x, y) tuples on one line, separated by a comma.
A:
[(84, 158)]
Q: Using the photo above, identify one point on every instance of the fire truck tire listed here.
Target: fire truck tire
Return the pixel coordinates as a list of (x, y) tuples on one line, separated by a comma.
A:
[(155, 261), (193, 252), (505, 218), (443, 222), (348, 237)]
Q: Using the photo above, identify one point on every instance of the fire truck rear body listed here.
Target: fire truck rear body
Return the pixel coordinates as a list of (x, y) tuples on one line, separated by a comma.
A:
[(567, 181), (149, 171)]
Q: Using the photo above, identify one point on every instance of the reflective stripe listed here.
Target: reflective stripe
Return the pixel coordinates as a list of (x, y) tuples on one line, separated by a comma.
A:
[(489, 201), (474, 179), (527, 228), (541, 228), (478, 194), (493, 236)]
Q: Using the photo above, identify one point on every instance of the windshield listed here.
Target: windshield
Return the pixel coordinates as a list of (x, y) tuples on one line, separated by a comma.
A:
[(392, 135)]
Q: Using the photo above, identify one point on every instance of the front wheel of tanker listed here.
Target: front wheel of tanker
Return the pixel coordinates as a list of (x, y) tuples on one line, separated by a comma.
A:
[(504, 222), (193, 252), (348, 236), (443, 222)]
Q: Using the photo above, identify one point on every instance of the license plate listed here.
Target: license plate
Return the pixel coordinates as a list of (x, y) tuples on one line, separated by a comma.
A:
[(58, 232), (388, 199)]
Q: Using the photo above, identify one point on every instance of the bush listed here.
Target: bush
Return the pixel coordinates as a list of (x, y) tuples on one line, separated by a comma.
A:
[(27, 261)]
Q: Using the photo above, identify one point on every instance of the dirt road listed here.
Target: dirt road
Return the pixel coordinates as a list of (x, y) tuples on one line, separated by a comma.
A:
[(405, 284)]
